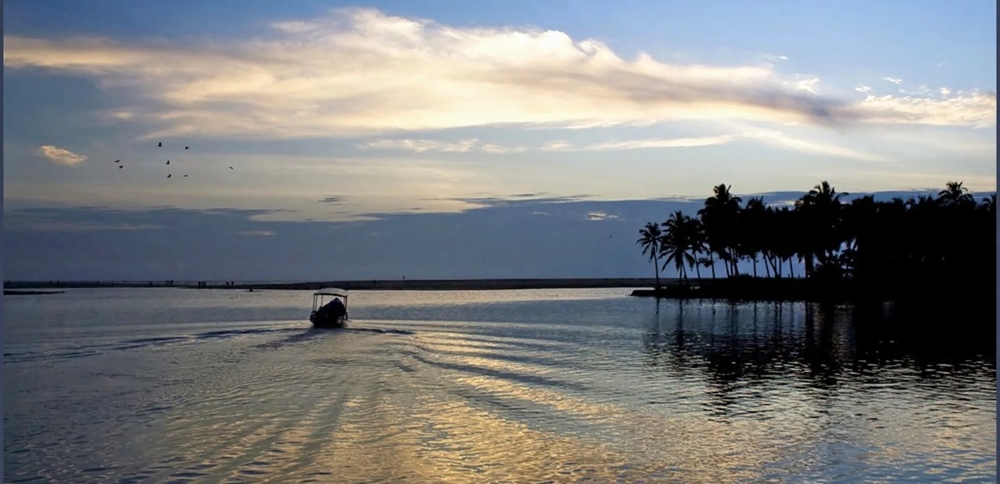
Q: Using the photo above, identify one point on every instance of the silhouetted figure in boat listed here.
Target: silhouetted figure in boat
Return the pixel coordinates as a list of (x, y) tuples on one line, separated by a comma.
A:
[(334, 308)]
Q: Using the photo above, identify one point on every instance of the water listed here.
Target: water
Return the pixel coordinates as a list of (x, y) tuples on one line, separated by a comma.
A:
[(174, 385)]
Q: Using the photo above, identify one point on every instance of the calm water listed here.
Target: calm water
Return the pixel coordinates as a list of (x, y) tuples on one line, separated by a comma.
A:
[(160, 385)]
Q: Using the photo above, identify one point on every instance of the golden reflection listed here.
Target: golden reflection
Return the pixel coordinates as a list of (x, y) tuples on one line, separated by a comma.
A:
[(369, 421), (653, 439), (466, 340)]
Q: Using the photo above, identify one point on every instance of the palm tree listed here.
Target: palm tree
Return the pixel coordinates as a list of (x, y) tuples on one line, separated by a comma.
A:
[(696, 232), (719, 218), (821, 208), (676, 244), (650, 238), (752, 229), (955, 194), (708, 263)]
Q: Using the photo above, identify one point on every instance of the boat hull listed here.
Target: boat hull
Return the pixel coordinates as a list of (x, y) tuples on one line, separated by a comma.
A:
[(321, 320)]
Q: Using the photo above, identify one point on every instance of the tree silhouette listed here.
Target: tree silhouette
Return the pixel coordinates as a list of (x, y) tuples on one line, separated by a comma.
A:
[(955, 194), (677, 243), (650, 237), (879, 246), (719, 219)]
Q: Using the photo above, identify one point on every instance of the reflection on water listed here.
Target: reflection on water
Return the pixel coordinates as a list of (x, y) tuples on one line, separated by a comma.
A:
[(522, 386)]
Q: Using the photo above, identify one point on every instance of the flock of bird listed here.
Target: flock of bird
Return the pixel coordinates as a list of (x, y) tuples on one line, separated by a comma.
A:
[(158, 145)]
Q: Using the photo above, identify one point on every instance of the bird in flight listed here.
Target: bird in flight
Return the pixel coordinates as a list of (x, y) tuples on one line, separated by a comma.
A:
[(185, 176), (168, 162), (159, 145), (168, 175), (230, 168), (121, 166), (186, 147), (118, 161)]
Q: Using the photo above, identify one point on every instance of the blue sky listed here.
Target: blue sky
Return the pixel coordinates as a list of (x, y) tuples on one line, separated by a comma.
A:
[(414, 109)]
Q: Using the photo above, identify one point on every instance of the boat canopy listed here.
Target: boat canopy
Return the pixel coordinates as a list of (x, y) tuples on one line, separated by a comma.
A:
[(331, 291)]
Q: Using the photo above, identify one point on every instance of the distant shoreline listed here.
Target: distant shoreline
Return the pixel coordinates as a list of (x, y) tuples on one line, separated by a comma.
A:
[(732, 289), (357, 285)]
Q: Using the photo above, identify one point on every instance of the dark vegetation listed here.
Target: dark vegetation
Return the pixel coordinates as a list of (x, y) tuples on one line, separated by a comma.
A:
[(933, 248)]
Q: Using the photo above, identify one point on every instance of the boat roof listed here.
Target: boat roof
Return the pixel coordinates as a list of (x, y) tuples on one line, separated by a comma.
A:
[(331, 291)]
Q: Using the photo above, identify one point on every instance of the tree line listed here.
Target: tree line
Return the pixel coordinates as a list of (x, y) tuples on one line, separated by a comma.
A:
[(947, 238)]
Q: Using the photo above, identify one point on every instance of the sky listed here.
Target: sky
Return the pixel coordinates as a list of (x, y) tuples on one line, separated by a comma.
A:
[(460, 139)]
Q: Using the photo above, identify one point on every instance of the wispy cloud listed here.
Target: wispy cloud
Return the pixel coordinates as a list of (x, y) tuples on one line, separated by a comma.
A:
[(495, 148), (893, 80), (770, 60), (61, 156), (781, 140), (557, 145), (258, 233), (771, 137), (331, 200), (422, 145), (338, 75), (600, 216), (659, 143), (863, 88), (807, 85), (52, 220), (74, 226), (419, 145), (976, 109)]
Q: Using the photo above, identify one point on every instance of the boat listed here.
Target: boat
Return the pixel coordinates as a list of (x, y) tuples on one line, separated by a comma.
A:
[(326, 316)]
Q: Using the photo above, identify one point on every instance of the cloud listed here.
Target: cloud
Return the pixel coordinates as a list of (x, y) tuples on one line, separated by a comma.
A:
[(495, 148), (257, 233), (42, 226), (557, 145), (419, 145), (331, 200), (770, 60), (61, 156), (808, 85), (339, 75), (779, 139), (863, 88), (893, 80), (978, 109), (770, 137), (60, 220), (660, 143), (422, 145), (594, 216)]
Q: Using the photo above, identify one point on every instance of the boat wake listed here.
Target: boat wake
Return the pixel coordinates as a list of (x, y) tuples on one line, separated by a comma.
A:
[(368, 330), (100, 348)]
